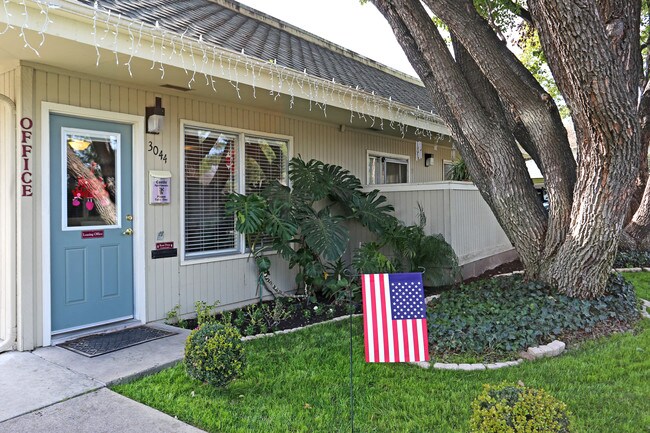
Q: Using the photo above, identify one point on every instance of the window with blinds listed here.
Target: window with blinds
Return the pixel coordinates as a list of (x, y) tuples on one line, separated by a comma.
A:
[(266, 161), (212, 171), (210, 175)]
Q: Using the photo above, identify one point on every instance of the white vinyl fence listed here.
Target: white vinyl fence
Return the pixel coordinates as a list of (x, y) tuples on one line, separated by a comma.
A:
[(454, 209)]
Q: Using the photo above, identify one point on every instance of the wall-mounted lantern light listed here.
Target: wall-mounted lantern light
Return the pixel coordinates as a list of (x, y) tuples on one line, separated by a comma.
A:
[(155, 117), (428, 159)]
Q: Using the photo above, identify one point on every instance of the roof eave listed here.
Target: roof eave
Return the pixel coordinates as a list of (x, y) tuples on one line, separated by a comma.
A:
[(136, 39)]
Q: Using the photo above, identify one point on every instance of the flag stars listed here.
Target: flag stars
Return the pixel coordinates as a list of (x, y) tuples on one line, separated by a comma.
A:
[(407, 299)]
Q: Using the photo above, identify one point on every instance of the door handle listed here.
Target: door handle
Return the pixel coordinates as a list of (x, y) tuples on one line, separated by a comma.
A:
[(128, 232)]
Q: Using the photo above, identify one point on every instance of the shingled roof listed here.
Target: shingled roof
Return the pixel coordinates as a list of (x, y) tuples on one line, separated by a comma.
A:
[(231, 25)]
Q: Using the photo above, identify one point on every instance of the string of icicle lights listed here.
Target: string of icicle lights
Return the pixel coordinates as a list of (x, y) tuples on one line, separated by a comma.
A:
[(206, 62)]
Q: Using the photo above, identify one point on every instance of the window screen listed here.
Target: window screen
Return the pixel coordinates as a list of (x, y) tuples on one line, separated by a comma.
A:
[(210, 175), (447, 168), (383, 169), (396, 170)]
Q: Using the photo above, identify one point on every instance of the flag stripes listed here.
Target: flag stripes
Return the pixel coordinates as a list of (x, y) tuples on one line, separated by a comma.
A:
[(387, 339)]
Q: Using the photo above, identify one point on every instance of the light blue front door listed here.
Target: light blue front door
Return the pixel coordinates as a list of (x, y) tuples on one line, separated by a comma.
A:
[(91, 207)]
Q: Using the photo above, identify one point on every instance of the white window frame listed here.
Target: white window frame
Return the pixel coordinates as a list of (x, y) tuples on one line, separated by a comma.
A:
[(445, 162), (406, 158), (241, 134)]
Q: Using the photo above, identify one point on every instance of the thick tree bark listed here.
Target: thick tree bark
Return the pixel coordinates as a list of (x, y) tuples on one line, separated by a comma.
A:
[(621, 20), (592, 78)]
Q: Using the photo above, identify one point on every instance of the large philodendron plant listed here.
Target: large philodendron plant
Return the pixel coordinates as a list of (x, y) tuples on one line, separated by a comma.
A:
[(306, 223)]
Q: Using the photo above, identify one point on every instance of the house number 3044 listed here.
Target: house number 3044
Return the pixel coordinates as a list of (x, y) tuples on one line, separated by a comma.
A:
[(158, 152)]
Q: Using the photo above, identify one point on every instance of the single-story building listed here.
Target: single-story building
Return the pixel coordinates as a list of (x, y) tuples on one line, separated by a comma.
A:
[(125, 124)]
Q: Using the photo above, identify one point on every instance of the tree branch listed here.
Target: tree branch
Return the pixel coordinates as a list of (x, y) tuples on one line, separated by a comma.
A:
[(622, 19), (531, 107), (489, 149)]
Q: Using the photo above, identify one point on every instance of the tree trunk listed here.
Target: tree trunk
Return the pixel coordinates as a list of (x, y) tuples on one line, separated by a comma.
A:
[(574, 248), (593, 80), (490, 150), (531, 106), (638, 228)]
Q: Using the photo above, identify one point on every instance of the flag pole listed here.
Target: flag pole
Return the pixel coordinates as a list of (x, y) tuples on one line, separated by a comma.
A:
[(350, 308), (349, 275)]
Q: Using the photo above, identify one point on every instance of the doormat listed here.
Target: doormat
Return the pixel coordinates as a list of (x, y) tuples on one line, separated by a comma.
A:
[(100, 344)]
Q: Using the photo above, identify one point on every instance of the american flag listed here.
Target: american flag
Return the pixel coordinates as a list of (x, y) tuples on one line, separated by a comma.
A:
[(394, 318)]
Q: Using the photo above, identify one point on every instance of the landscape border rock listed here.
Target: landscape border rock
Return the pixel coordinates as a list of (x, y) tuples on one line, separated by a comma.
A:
[(555, 348), (289, 331), (645, 309)]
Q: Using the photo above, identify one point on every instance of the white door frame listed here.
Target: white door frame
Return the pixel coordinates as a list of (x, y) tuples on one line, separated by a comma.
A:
[(137, 123)]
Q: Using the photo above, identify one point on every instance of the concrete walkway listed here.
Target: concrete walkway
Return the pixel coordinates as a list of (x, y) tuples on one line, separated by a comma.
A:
[(54, 389)]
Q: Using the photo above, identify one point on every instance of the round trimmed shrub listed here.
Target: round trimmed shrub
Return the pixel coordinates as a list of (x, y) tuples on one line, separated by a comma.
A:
[(510, 408), (214, 354)]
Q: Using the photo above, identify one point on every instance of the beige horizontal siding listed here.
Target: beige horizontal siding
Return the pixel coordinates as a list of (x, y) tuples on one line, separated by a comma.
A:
[(232, 282)]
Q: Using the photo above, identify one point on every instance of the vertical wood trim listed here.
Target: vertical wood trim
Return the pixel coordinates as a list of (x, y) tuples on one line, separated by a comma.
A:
[(25, 225)]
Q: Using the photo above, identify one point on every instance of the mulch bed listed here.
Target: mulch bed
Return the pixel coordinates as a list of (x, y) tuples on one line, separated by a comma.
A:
[(300, 318), (505, 268), (297, 320)]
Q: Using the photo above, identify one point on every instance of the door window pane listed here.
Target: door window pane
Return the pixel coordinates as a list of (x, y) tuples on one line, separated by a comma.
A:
[(91, 178)]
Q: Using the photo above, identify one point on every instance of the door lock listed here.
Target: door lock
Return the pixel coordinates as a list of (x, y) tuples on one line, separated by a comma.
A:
[(129, 217), (128, 232)]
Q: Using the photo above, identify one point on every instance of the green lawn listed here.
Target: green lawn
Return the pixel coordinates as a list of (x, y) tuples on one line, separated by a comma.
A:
[(300, 383), (641, 282)]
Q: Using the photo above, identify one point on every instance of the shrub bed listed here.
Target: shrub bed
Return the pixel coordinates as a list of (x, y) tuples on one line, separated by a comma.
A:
[(507, 314), (268, 316), (632, 259)]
